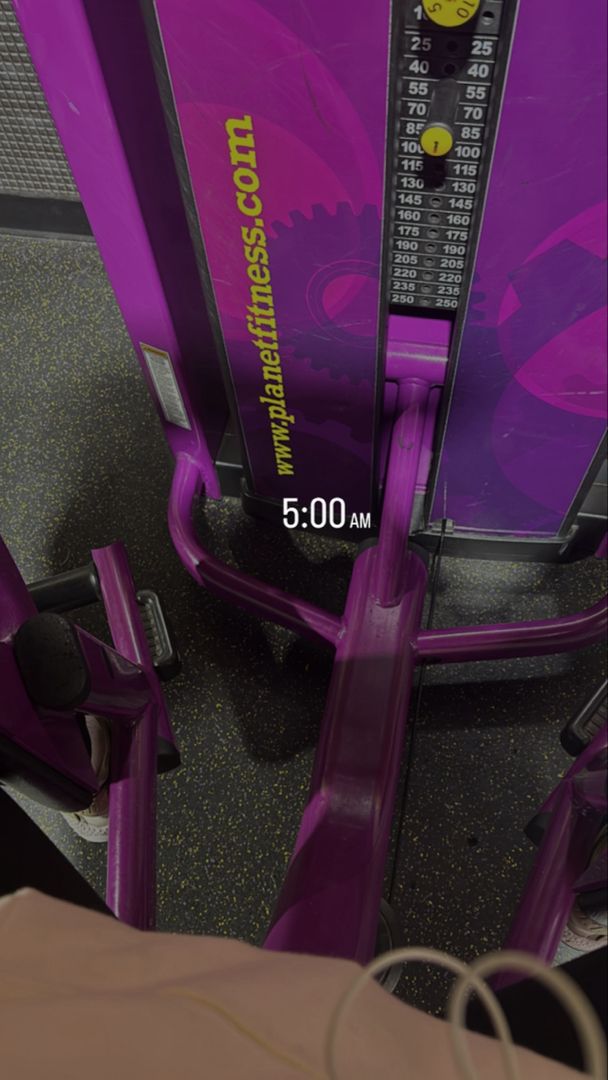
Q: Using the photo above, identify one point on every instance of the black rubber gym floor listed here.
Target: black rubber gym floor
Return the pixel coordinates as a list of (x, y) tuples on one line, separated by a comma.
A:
[(83, 462)]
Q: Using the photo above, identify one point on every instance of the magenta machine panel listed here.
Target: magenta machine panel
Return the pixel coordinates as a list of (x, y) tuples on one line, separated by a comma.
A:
[(284, 137), (324, 198), (282, 110), (524, 412)]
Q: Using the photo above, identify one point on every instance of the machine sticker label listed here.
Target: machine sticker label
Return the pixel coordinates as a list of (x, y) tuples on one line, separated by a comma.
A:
[(165, 384), (260, 315)]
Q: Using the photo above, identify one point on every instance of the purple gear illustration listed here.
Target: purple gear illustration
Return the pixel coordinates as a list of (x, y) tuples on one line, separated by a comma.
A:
[(356, 418), (306, 258)]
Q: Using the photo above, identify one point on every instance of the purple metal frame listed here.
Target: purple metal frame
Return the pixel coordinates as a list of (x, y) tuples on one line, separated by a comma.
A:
[(577, 807), (329, 901), (330, 898), (132, 824), (95, 68), (125, 690)]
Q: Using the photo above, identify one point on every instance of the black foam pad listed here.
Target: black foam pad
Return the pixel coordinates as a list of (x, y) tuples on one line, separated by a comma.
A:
[(51, 662)]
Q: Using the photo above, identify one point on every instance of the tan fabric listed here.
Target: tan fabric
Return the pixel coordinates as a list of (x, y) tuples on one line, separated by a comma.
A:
[(83, 997)]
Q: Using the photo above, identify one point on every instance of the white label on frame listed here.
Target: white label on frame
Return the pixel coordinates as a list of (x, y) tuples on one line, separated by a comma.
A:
[(165, 384)]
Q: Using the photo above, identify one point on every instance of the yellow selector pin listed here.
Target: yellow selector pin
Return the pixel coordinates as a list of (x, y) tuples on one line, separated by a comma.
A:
[(437, 140), (450, 12), (438, 134)]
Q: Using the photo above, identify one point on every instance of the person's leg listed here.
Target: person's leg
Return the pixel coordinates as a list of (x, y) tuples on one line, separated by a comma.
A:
[(535, 1016), (29, 858)]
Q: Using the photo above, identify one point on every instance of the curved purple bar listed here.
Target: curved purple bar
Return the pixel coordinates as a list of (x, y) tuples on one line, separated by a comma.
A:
[(503, 640), (265, 601), (131, 867), (331, 895), (578, 807)]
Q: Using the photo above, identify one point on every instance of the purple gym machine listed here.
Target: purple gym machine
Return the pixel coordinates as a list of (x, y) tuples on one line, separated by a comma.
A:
[(359, 251), (53, 673)]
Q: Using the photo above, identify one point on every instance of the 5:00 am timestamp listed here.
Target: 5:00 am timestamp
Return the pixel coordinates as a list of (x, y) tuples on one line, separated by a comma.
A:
[(322, 514)]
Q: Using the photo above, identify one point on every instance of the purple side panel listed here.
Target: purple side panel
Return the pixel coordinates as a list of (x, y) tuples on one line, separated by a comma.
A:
[(529, 403), (313, 78), (96, 72)]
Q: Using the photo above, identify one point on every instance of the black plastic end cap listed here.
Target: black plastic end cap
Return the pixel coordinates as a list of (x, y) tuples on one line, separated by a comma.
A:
[(537, 827), (167, 756)]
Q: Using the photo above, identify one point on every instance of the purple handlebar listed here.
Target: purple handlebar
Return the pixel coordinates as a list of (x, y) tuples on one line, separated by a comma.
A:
[(500, 641), (224, 581)]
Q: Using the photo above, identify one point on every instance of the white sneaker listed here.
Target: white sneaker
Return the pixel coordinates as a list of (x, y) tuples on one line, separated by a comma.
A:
[(92, 824), (585, 931)]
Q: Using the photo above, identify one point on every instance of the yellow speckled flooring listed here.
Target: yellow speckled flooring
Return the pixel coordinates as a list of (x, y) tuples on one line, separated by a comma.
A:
[(83, 462)]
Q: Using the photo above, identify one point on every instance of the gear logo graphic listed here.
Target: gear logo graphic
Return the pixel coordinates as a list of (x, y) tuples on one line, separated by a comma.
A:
[(325, 279)]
